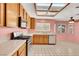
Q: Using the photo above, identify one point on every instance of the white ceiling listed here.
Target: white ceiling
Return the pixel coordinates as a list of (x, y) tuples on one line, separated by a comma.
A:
[(64, 15)]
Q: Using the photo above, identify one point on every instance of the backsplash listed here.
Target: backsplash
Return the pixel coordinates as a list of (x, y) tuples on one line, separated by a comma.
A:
[(4, 38), (6, 30), (5, 33)]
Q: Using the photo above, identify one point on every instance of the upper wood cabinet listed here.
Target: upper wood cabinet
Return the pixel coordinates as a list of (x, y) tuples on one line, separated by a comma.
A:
[(32, 23), (12, 14), (21, 11), (28, 21), (2, 14), (25, 15)]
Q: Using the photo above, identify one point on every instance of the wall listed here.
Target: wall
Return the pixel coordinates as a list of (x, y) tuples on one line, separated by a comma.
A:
[(61, 36), (69, 36), (52, 23), (5, 32), (75, 36)]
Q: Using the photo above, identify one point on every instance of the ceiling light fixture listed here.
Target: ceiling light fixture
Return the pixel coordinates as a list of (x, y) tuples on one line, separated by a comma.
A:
[(71, 20)]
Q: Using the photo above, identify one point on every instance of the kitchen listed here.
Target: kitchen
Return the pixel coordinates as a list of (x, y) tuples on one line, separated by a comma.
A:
[(24, 34)]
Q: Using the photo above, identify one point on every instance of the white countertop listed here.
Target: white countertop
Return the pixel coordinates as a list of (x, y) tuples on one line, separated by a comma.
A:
[(9, 47), (38, 33)]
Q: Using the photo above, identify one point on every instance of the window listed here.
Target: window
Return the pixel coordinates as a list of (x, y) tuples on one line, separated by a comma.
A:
[(42, 26)]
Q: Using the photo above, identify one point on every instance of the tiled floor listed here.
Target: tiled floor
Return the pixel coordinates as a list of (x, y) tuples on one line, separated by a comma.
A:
[(51, 50)]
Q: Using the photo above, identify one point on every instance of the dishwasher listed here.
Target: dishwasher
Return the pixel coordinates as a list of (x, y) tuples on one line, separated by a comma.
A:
[(52, 40)]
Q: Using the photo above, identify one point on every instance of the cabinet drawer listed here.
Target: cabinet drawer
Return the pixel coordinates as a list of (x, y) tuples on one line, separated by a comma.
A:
[(23, 53), (21, 48)]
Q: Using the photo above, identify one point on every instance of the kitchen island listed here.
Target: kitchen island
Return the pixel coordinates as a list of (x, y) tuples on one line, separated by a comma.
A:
[(43, 38)]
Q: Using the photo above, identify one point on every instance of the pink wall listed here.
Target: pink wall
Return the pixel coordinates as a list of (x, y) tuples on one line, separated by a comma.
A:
[(61, 36), (52, 22), (69, 36), (6, 30), (75, 36)]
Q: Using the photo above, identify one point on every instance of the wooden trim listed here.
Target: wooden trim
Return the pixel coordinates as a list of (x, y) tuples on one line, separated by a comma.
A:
[(62, 8), (51, 44), (42, 10), (5, 22), (47, 15), (50, 6), (23, 11), (40, 43), (35, 8), (54, 11), (49, 10), (19, 9)]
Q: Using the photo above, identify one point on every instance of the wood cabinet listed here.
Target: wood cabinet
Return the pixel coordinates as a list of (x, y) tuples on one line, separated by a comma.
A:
[(25, 15), (2, 14), (28, 21), (12, 14), (21, 11), (40, 39), (32, 23), (22, 50), (15, 54)]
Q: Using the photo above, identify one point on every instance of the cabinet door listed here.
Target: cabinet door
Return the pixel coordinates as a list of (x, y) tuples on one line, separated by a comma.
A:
[(32, 23), (28, 21), (21, 11), (2, 14), (22, 50), (34, 39), (25, 15), (40, 39), (12, 13), (45, 40)]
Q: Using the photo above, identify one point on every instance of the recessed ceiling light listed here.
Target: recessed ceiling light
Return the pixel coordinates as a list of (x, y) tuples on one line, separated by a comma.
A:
[(41, 13), (42, 4)]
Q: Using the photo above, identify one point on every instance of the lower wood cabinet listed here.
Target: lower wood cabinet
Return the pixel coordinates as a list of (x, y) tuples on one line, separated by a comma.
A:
[(15, 54), (21, 51), (40, 39)]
